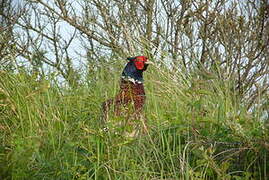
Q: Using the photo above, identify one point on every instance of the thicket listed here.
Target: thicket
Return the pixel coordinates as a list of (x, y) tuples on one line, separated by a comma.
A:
[(198, 130), (207, 92)]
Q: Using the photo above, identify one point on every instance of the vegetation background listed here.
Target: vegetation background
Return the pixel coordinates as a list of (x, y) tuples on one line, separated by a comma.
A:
[(207, 92)]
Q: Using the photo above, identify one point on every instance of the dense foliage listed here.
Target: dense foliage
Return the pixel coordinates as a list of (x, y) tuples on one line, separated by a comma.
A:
[(198, 130), (207, 92)]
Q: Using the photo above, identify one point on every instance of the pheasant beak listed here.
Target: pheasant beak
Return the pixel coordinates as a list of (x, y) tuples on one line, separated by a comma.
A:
[(149, 62), (141, 61)]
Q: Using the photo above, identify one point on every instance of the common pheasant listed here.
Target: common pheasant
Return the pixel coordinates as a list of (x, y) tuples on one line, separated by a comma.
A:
[(131, 90)]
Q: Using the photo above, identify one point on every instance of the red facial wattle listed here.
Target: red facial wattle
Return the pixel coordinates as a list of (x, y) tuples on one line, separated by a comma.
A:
[(139, 65), (140, 62)]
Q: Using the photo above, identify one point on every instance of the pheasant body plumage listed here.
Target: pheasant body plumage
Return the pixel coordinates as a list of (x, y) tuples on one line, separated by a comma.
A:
[(131, 88)]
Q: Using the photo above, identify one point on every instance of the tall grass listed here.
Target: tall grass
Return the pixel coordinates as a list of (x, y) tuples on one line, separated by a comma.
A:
[(198, 130)]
